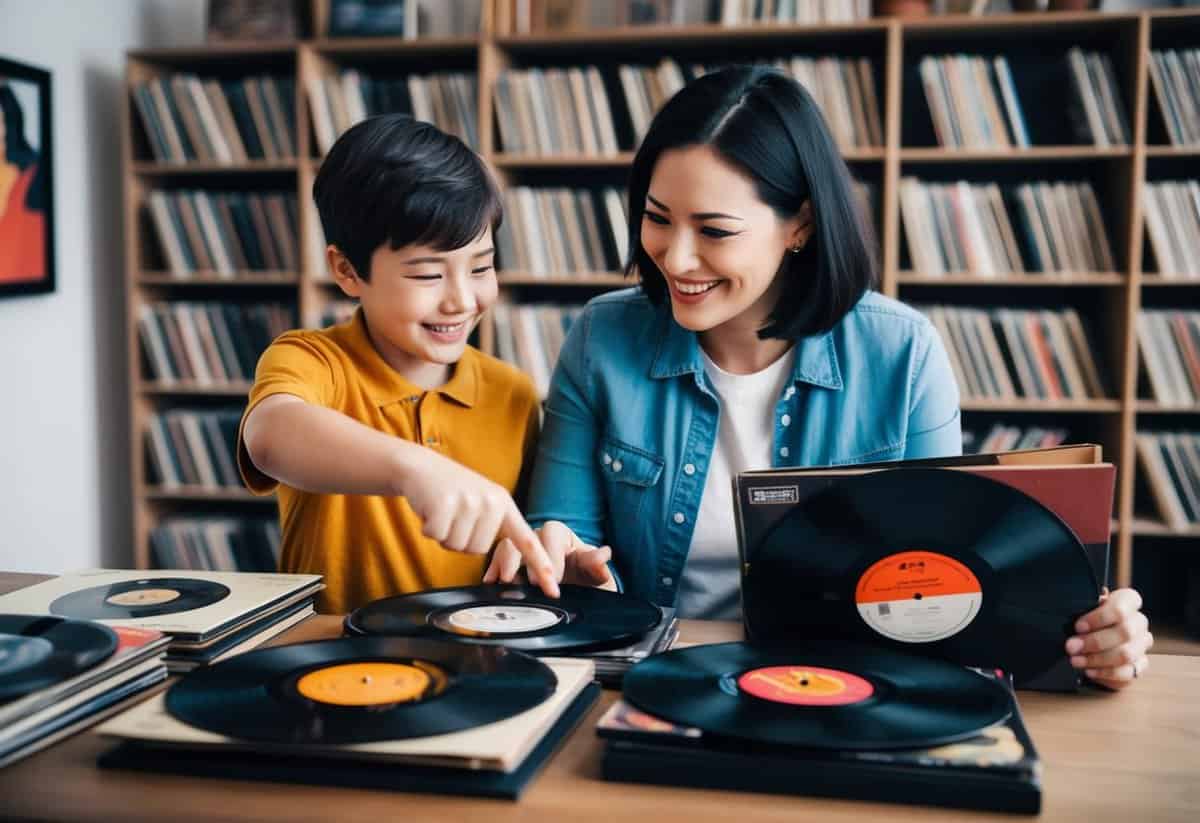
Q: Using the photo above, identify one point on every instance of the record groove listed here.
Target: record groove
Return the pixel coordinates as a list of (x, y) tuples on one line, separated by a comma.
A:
[(881, 699), (132, 599), (519, 617), (362, 689), (36, 652)]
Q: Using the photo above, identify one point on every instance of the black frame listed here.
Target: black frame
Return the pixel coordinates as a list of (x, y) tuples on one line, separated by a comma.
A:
[(11, 70)]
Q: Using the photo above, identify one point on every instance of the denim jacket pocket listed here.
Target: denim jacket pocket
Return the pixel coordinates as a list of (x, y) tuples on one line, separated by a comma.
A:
[(628, 465)]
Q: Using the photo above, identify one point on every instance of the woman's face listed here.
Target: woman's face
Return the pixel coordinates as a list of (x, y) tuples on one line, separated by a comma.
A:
[(718, 245)]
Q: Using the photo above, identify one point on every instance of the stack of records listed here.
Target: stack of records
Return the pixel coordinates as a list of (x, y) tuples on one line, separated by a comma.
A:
[(209, 615), (372, 712), (58, 676), (838, 720), (613, 630)]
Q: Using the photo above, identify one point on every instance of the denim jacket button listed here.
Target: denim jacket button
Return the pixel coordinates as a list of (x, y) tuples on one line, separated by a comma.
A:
[(679, 518), (689, 469), (667, 581), (616, 465), (607, 458), (783, 452), (786, 420)]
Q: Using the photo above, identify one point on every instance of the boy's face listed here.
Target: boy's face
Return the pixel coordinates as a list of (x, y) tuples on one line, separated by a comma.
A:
[(421, 304)]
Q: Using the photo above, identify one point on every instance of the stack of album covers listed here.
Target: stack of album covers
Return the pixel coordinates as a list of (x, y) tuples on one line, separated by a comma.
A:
[(58, 676), (209, 616), (370, 712)]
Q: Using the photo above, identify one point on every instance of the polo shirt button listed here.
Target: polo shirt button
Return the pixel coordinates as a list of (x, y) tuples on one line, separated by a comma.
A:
[(679, 518), (607, 458), (786, 420), (689, 469), (783, 452), (616, 465), (667, 581), (791, 390)]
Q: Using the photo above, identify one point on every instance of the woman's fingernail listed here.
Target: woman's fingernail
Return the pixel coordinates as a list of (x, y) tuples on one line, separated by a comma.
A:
[(1079, 661), (1090, 672), (1075, 645), (1081, 626)]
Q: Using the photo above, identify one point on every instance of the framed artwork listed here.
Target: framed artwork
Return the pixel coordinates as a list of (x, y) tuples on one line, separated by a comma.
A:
[(26, 181)]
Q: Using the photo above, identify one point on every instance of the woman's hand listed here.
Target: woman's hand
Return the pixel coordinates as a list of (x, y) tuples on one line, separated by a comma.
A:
[(1111, 640), (573, 560)]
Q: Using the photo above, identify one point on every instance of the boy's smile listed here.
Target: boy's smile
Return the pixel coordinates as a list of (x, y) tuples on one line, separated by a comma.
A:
[(421, 304)]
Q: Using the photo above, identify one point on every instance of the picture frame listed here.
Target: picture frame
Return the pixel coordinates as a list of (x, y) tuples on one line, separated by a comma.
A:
[(27, 260)]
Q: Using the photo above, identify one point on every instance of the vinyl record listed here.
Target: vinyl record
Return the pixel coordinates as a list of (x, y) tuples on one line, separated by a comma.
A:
[(36, 652), (147, 597), (520, 617), (817, 695), (360, 689), (942, 562)]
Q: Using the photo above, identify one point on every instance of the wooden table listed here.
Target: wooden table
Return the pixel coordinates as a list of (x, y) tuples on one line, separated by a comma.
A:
[(1132, 756)]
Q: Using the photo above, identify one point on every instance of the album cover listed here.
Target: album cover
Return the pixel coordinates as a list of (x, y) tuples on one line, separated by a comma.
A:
[(190, 605), (239, 641)]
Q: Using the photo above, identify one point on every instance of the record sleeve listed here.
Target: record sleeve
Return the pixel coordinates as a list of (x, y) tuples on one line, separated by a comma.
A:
[(160, 600)]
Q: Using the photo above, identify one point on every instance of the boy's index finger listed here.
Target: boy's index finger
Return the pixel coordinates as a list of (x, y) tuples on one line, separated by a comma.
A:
[(537, 559)]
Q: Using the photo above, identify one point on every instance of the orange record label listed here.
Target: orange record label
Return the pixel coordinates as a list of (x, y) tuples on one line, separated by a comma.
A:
[(143, 597), (918, 596), (805, 685), (371, 684)]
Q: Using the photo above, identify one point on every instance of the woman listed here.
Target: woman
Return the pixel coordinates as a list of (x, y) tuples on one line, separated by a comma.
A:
[(755, 340), (22, 223)]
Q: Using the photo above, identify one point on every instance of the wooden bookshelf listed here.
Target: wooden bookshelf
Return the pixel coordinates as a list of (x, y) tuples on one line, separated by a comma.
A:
[(1111, 300)]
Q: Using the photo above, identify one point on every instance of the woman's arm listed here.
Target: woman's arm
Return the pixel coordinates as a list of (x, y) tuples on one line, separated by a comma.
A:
[(934, 422)]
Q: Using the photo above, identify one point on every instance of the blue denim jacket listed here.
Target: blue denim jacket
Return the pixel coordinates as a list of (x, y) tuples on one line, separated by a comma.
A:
[(631, 420)]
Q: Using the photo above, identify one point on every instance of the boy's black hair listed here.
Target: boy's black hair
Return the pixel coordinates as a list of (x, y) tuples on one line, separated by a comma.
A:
[(765, 124), (400, 181)]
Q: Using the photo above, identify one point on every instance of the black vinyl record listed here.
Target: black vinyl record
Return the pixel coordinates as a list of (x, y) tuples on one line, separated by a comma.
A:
[(817, 695), (360, 689), (520, 617), (934, 561), (147, 597), (36, 652)]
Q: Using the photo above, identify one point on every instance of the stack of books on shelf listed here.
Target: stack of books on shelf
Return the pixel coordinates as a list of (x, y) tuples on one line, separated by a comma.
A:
[(530, 336), (449, 100), (965, 227), (1171, 461), (973, 102), (212, 344), (1169, 343), (1001, 437), (103, 670), (194, 447), (1175, 78), (1005, 354), (186, 118), (549, 232), (534, 17), (226, 233), (555, 111), (1097, 113), (215, 543), (1172, 209)]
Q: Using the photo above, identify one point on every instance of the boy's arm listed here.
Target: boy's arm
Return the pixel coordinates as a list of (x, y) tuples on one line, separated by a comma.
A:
[(320, 450)]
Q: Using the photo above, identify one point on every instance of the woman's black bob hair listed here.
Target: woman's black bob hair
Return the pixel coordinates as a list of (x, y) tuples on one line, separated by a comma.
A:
[(765, 124)]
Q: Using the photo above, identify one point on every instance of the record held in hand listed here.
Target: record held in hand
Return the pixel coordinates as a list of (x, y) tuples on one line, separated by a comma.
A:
[(520, 617), (829, 696), (360, 689), (147, 597), (36, 652), (943, 562)]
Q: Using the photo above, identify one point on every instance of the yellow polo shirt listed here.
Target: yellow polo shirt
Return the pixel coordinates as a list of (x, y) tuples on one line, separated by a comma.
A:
[(368, 547)]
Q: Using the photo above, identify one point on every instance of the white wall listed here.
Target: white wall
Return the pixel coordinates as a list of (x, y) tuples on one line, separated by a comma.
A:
[(64, 448)]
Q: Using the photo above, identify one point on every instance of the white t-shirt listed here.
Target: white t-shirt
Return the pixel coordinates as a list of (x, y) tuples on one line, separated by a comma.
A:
[(709, 588)]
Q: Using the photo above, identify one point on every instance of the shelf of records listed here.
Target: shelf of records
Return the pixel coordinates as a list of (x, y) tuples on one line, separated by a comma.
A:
[(526, 17), (1175, 82), (1169, 348), (1001, 436), (207, 346), (1002, 355), (193, 452), (974, 103), (225, 235), (987, 231), (186, 118), (216, 543), (1170, 464), (1172, 209)]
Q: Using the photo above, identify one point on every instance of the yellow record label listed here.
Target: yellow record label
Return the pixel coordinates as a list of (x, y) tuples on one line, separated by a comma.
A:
[(143, 597), (371, 684)]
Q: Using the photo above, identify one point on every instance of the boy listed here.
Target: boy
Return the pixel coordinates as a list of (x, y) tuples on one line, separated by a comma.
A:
[(389, 438)]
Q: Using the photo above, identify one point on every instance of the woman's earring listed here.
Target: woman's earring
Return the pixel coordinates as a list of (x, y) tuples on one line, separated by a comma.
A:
[(796, 249)]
